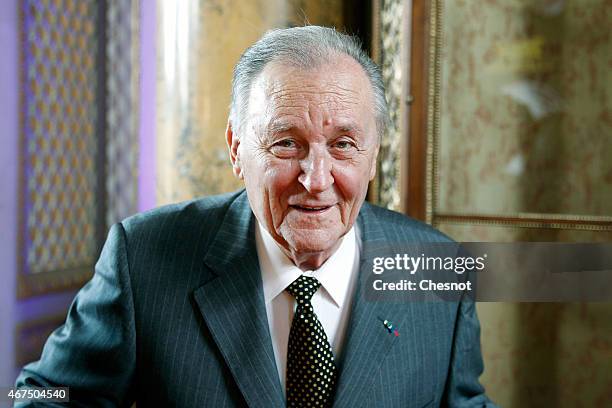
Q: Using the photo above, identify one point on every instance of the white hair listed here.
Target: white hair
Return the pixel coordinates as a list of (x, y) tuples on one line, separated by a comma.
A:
[(303, 47)]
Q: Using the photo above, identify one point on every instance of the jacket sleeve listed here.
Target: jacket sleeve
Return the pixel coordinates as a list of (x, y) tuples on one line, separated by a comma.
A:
[(93, 353), (463, 388)]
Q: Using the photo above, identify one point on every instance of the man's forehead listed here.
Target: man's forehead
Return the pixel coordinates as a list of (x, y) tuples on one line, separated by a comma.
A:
[(284, 99), (339, 125), (340, 77)]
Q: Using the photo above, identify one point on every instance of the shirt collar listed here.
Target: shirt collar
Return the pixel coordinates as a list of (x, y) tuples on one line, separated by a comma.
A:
[(278, 271)]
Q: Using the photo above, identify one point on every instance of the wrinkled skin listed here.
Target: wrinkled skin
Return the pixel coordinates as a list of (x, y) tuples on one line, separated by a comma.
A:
[(306, 153)]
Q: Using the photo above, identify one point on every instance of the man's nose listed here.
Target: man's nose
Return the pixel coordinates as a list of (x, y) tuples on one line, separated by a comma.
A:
[(316, 173)]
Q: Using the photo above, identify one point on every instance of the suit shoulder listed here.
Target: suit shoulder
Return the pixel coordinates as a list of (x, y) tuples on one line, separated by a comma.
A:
[(169, 219), (401, 225)]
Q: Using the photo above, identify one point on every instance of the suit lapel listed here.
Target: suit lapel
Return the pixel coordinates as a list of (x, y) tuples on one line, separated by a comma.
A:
[(367, 341), (233, 308)]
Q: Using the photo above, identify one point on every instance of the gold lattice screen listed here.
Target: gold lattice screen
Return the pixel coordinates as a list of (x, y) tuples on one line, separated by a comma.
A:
[(61, 146), (79, 143)]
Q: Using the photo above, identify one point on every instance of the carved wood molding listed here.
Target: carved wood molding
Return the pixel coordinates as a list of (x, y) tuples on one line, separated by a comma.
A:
[(530, 220)]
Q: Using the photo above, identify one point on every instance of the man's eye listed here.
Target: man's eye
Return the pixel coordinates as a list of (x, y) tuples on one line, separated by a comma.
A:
[(285, 148), (286, 143), (343, 145)]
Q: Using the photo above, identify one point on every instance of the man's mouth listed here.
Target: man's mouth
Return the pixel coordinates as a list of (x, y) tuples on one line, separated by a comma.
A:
[(311, 209)]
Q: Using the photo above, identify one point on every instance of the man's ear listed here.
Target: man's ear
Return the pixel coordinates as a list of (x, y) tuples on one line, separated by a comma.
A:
[(233, 142)]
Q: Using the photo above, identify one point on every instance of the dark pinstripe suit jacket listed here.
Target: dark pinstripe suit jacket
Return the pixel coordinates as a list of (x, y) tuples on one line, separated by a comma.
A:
[(175, 316)]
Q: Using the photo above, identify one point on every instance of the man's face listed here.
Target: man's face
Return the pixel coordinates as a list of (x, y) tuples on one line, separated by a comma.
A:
[(307, 151)]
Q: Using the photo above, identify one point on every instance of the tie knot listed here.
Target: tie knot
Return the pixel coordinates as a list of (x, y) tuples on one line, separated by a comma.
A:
[(303, 288)]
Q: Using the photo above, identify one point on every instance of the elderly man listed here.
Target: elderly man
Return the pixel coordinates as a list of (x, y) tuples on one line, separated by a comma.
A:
[(250, 299)]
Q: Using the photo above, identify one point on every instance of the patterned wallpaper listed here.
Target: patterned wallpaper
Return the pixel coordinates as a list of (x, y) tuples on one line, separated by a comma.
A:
[(527, 107), (543, 354)]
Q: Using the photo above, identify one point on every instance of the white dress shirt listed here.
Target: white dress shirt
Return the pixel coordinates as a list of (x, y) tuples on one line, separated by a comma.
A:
[(331, 302)]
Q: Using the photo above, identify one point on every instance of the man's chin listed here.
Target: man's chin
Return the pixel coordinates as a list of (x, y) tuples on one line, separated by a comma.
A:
[(312, 241)]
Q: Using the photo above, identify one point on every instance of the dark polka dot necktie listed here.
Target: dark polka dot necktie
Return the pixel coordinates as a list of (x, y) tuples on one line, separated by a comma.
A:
[(311, 372)]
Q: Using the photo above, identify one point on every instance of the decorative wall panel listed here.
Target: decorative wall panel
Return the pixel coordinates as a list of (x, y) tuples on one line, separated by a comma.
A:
[(547, 354), (79, 135), (391, 42), (122, 72), (59, 140), (527, 108), (196, 59), (519, 140)]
